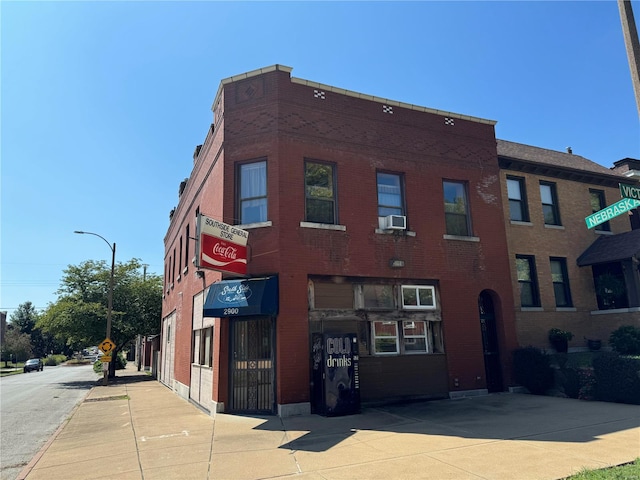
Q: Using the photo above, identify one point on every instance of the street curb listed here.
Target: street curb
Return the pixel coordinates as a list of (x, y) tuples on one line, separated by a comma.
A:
[(36, 458)]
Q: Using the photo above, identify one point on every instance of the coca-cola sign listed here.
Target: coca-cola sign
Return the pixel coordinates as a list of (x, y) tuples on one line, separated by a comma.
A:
[(222, 247)]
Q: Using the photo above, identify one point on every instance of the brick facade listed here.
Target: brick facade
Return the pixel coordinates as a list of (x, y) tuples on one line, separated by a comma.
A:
[(269, 116), (574, 177)]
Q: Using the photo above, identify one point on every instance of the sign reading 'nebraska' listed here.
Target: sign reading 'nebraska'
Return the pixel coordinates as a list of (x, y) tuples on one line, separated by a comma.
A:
[(611, 211), (222, 247)]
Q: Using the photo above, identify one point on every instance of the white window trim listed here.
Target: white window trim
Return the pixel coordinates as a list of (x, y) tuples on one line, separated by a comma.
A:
[(418, 307), (374, 337), (423, 337)]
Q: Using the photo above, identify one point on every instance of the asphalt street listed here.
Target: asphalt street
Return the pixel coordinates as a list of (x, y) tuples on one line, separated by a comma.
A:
[(32, 407)]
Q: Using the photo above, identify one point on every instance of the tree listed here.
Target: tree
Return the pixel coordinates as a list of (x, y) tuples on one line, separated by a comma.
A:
[(24, 319), (79, 315), (17, 344)]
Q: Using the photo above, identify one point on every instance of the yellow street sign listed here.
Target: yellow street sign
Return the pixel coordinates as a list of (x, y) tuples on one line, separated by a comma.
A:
[(105, 358), (107, 345)]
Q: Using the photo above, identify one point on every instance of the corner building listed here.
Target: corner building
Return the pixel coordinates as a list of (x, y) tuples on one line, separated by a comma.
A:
[(367, 217)]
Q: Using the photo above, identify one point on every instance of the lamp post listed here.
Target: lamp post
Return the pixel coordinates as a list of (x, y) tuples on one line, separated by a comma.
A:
[(110, 300)]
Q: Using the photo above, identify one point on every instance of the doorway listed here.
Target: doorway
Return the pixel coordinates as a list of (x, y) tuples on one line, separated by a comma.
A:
[(252, 386), (490, 346)]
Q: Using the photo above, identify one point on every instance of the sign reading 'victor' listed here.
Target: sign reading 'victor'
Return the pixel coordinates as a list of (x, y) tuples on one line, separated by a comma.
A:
[(222, 247)]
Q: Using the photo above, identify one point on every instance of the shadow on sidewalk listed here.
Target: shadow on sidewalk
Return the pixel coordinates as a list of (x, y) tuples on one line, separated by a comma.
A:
[(130, 378)]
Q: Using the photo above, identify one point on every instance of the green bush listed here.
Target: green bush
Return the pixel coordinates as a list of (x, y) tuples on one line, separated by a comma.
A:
[(617, 378), (53, 360), (626, 340), (532, 370), (121, 363)]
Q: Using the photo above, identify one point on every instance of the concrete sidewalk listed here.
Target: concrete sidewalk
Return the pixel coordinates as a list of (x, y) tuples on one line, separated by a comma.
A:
[(136, 428)]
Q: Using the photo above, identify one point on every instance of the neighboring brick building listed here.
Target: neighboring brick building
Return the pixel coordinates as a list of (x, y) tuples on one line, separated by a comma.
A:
[(366, 216), (554, 256)]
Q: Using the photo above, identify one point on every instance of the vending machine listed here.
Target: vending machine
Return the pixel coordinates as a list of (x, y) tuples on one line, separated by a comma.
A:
[(335, 377)]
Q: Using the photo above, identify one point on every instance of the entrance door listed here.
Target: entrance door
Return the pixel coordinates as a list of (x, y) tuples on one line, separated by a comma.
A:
[(493, 371), (252, 365)]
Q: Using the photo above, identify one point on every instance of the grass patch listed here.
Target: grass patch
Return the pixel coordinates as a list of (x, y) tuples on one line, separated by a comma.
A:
[(629, 471), (81, 361), (102, 399)]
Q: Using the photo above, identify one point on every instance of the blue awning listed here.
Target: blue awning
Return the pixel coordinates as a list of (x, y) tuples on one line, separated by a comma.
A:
[(238, 298)]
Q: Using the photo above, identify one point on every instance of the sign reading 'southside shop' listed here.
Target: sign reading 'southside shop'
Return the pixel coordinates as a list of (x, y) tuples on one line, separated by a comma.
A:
[(222, 247)]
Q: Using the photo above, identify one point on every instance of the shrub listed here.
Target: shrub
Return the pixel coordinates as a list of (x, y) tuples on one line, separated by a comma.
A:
[(53, 360), (626, 340), (571, 382), (532, 370), (617, 378), (50, 361), (121, 363)]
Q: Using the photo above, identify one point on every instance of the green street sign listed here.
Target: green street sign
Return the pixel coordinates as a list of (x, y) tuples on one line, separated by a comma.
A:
[(629, 191), (611, 211)]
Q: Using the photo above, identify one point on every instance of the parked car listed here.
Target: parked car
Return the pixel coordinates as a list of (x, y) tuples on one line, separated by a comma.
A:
[(33, 364)]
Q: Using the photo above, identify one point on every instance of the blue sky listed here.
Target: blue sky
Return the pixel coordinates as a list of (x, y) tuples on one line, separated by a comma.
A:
[(103, 103)]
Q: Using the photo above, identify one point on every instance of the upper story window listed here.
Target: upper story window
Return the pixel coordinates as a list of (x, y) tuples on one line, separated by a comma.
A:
[(560, 279), (456, 209), (252, 200), (320, 192), (549, 198), (518, 210), (186, 246), (527, 280), (390, 198), (598, 203), (418, 297)]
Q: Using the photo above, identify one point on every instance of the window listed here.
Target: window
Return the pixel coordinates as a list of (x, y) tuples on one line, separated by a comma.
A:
[(418, 297), (195, 346), (252, 201), (186, 247), (203, 344), (610, 285), (390, 200), (518, 210), (414, 336), (180, 259), (560, 279), (417, 337), (456, 210), (549, 199), (526, 269), (206, 350), (385, 337), (320, 193), (378, 296), (173, 266), (598, 203)]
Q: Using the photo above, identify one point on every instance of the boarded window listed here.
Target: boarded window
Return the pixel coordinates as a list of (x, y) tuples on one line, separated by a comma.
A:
[(332, 295)]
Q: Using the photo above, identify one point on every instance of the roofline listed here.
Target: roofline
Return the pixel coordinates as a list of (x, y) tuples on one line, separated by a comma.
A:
[(587, 176), (342, 91)]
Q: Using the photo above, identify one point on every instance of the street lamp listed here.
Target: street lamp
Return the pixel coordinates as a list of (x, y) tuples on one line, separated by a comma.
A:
[(110, 301)]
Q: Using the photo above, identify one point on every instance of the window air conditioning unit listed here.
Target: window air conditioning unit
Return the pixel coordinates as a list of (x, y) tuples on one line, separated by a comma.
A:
[(395, 222)]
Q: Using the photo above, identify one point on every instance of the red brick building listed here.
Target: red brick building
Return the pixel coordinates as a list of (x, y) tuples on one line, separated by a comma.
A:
[(366, 216)]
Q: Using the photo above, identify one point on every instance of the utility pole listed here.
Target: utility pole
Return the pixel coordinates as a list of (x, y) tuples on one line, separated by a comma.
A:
[(139, 339), (633, 46)]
